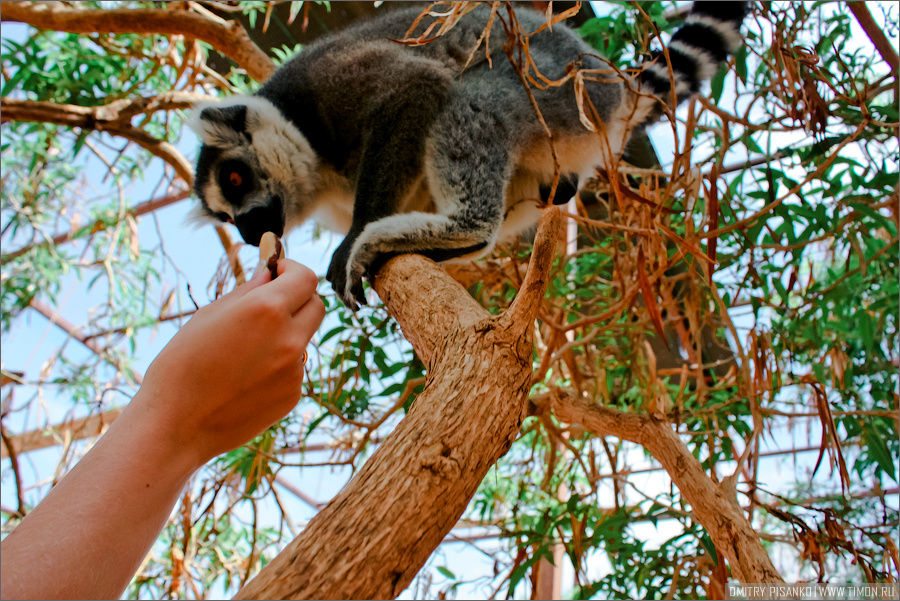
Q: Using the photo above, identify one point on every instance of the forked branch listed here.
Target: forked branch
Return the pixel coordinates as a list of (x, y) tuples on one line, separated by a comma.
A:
[(413, 490)]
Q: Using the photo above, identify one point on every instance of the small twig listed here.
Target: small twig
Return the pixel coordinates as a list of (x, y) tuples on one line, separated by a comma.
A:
[(66, 326), (123, 329), (298, 493), (14, 465), (141, 209)]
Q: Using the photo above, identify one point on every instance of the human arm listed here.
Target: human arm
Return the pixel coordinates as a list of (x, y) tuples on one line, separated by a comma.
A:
[(233, 370)]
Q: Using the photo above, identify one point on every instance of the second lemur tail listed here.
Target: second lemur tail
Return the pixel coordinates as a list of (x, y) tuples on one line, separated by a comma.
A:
[(709, 35)]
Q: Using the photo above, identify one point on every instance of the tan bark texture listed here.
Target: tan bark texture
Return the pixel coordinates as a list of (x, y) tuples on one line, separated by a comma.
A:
[(76, 429), (374, 536), (228, 37), (99, 119)]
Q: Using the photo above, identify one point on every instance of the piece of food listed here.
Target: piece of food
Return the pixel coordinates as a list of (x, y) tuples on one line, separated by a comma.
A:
[(270, 250)]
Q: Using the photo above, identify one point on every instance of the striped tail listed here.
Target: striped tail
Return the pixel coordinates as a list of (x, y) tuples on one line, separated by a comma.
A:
[(710, 33)]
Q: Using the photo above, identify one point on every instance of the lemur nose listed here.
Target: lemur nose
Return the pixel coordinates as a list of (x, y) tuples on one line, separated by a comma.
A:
[(259, 220)]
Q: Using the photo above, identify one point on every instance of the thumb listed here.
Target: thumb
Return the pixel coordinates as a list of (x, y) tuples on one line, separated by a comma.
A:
[(260, 276)]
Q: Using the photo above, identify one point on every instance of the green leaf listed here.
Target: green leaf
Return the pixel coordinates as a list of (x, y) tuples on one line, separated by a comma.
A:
[(717, 84), (446, 572), (332, 333), (740, 62), (879, 451), (708, 545)]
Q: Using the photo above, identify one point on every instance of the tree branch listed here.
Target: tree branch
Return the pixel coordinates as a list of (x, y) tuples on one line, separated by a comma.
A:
[(66, 326), (715, 507), (137, 210), (99, 118), (427, 470), (876, 35), (10, 451), (229, 38), (524, 307), (114, 118), (75, 429), (91, 426)]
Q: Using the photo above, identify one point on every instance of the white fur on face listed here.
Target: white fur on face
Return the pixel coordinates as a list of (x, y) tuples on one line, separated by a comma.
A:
[(214, 199), (283, 152), (280, 149), (217, 135)]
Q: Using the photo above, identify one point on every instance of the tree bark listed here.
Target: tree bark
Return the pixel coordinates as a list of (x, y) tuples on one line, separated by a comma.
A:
[(228, 37), (374, 536), (76, 429), (714, 506), (100, 118), (881, 42)]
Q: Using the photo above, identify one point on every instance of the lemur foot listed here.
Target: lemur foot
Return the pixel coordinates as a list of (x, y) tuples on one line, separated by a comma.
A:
[(345, 277)]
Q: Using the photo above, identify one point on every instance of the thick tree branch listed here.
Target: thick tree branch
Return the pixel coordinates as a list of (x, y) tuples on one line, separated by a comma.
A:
[(98, 118), (228, 37), (375, 535), (75, 429), (714, 506)]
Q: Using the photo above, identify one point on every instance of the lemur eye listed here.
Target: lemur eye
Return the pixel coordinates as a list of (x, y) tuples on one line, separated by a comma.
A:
[(235, 180)]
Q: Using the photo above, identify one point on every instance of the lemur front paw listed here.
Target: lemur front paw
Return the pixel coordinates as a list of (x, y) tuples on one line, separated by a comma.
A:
[(346, 277)]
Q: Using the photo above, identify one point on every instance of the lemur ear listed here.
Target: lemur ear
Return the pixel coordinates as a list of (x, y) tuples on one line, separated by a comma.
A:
[(219, 126), (234, 116)]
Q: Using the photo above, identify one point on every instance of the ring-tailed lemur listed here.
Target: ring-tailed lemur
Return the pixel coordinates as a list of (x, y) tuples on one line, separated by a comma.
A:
[(431, 149)]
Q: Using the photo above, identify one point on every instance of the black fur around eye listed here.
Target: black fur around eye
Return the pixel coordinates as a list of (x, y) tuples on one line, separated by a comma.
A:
[(235, 176)]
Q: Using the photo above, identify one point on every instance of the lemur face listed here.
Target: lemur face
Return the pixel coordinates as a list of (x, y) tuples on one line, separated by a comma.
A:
[(254, 169)]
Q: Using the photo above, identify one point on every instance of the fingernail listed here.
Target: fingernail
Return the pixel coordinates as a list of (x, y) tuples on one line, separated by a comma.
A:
[(260, 269)]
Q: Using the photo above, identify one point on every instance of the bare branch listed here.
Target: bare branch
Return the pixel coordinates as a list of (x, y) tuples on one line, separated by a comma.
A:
[(9, 450), (76, 429), (451, 307), (882, 43), (113, 118), (66, 326), (140, 209), (435, 458), (229, 38), (96, 118), (528, 300)]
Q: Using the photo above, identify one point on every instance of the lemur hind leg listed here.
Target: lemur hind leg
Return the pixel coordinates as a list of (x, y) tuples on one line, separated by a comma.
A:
[(467, 166)]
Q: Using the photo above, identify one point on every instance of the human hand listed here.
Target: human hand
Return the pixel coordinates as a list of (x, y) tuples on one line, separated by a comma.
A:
[(235, 368)]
